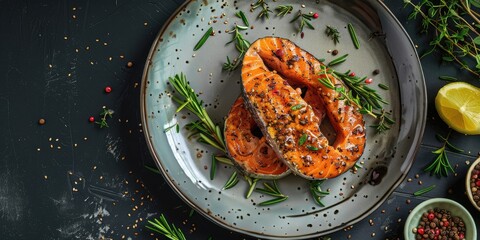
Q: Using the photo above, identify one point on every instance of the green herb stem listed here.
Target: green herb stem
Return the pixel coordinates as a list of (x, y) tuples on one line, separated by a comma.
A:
[(161, 226)]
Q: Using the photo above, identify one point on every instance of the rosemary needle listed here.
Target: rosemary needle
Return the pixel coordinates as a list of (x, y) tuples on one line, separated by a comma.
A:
[(353, 35), (204, 38), (424, 190)]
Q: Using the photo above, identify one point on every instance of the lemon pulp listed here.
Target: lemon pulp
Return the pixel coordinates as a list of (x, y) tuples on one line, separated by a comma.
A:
[(458, 104)]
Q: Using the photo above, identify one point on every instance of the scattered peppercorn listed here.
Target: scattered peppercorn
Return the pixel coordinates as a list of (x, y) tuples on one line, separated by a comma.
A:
[(315, 15), (41, 121), (376, 72), (334, 52), (130, 64), (368, 80), (91, 119), (108, 89)]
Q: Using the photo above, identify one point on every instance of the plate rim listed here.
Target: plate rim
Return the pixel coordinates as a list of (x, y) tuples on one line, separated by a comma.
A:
[(416, 142)]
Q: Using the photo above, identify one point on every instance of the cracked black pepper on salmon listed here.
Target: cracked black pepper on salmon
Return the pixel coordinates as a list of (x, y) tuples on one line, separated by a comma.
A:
[(285, 117)]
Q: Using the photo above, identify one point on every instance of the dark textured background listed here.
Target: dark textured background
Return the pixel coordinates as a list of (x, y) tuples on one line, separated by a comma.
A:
[(68, 179)]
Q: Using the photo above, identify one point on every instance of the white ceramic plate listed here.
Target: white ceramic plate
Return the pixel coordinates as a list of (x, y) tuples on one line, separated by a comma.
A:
[(185, 163)]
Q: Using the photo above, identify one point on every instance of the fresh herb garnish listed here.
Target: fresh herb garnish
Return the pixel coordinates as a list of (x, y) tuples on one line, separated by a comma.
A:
[(176, 126), (424, 190), (241, 44), (384, 122), (265, 12), (241, 15), (161, 226), (213, 167), (273, 191), (441, 166), (358, 93), (204, 38), (383, 86), (305, 19), (338, 60), (207, 131), (302, 139), (252, 182), (312, 148), (106, 112), (284, 10), (297, 107), (448, 78), (353, 35), (455, 30), (333, 34), (317, 192), (232, 181)]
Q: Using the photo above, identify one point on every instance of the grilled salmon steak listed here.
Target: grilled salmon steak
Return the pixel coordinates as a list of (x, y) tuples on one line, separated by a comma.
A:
[(287, 121), (247, 146)]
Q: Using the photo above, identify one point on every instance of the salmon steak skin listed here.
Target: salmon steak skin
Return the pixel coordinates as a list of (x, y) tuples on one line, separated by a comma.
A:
[(248, 147), (288, 122)]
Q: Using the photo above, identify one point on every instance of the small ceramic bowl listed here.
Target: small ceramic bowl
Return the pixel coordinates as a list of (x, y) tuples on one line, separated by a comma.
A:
[(455, 208), (467, 183)]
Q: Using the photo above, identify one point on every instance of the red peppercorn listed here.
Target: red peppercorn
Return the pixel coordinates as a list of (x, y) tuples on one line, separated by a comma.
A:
[(446, 223), (91, 119), (461, 236), (477, 183), (279, 53), (431, 216), (352, 74), (368, 80), (108, 89), (421, 231), (315, 15), (437, 231)]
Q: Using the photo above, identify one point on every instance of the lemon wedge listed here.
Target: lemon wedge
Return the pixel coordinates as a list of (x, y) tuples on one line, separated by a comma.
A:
[(458, 104)]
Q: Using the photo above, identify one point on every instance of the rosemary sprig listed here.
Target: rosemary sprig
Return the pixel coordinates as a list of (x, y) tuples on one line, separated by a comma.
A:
[(207, 131), (241, 15), (317, 192), (358, 93), (232, 181), (265, 12), (106, 112), (455, 30), (272, 190), (305, 19), (283, 10), (333, 33), (176, 126), (252, 183), (353, 35), (424, 190), (204, 38), (161, 226), (384, 121), (241, 44), (441, 165)]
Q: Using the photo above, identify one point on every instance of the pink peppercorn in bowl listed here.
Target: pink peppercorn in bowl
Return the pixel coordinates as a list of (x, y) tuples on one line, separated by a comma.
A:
[(472, 184), (440, 218)]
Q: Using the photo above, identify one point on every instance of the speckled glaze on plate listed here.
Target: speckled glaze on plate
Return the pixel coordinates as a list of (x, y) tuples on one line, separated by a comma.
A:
[(185, 164)]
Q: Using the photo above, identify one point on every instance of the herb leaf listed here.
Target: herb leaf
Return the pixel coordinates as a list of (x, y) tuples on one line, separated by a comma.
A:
[(353, 35), (440, 166), (317, 192), (204, 38), (160, 225), (333, 34), (283, 10)]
